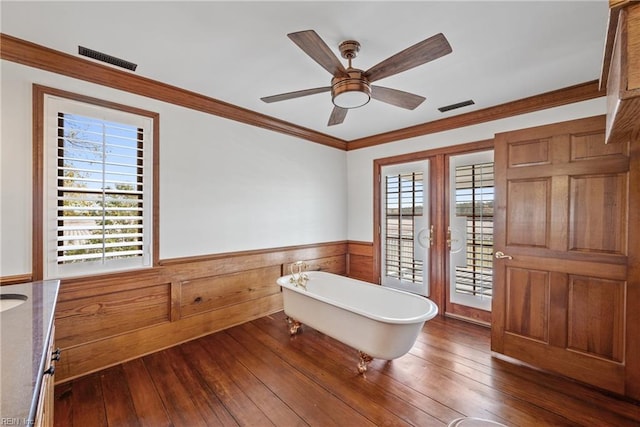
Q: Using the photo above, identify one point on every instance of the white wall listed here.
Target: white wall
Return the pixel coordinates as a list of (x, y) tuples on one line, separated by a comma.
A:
[(224, 186), (360, 162)]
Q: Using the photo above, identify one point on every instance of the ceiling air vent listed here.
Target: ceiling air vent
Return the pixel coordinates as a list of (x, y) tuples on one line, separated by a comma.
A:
[(454, 106), (94, 54)]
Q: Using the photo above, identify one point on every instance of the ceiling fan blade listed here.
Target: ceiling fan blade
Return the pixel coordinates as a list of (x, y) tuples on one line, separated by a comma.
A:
[(311, 43), (396, 97), (296, 94), (337, 116), (420, 53)]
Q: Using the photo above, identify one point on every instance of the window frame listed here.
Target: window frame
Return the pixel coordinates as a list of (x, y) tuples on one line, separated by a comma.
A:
[(39, 236)]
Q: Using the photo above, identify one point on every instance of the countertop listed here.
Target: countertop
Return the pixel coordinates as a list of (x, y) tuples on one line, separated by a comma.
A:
[(24, 335)]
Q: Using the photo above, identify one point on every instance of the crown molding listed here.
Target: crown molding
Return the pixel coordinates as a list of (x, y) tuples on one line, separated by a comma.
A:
[(556, 98)]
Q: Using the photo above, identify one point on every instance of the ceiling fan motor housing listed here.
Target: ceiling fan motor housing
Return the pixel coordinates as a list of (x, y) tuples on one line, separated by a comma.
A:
[(350, 91)]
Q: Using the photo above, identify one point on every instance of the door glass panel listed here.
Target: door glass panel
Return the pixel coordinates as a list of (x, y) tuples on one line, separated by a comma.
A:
[(404, 227), (470, 233)]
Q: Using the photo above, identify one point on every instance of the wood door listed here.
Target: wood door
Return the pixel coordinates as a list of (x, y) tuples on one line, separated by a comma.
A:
[(560, 296)]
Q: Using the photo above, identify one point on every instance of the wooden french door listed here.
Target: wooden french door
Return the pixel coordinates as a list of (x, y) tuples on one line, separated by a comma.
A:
[(560, 251)]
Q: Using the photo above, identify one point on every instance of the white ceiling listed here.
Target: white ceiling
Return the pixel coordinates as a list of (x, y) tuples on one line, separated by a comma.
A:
[(238, 51)]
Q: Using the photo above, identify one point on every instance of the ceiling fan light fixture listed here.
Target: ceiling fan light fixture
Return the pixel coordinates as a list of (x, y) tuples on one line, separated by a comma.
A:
[(350, 92)]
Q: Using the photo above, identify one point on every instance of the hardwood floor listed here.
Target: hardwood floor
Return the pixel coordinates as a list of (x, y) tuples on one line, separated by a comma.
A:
[(255, 374)]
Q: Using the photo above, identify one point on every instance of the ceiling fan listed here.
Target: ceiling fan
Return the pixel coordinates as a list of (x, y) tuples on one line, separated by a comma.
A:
[(351, 87)]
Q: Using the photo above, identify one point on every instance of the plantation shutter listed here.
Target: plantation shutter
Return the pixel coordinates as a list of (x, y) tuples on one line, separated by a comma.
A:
[(404, 203), (99, 189), (474, 191)]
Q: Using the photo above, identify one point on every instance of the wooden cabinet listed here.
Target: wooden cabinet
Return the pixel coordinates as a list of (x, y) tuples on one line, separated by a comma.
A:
[(621, 73), (621, 77), (44, 413)]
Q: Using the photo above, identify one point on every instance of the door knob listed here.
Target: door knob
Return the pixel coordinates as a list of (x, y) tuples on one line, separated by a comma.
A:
[(502, 255)]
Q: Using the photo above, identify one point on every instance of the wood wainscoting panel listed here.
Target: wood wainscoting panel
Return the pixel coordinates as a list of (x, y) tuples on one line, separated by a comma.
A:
[(106, 320), (105, 314), (215, 292), (361, 262)]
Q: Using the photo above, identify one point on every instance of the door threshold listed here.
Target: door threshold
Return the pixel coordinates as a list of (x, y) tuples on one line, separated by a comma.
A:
[(468, 319)]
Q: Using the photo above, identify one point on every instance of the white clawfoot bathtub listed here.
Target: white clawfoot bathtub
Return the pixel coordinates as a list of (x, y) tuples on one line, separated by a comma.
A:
[(379, 322)]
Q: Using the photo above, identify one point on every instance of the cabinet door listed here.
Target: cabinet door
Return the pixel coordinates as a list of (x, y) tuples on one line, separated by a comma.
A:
[(560, 295), (44, 413)]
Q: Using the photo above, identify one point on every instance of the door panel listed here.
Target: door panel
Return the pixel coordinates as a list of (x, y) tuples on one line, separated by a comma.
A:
[(528, 212), (527, 303), (596, 314), (598, 213), (561, 218)]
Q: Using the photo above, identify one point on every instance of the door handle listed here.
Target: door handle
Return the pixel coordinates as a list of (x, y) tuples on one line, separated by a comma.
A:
[(431, 236), (502, 255)]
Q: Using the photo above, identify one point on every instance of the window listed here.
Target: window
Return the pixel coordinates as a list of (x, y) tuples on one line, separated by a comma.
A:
[(98, 187)]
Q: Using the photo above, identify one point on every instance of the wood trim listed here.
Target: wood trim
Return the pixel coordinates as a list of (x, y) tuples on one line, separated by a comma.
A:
[(37, 210), (485, 144), (469, 314), (254, 252), (556, 98), (18, 278), (38, 94), (37, 56), (438, 215), (613, 4)]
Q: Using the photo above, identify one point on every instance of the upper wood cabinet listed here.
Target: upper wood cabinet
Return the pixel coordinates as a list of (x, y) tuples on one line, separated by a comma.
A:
[(621, 72)]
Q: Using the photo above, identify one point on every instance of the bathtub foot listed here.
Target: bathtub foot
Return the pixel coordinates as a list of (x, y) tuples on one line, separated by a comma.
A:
[(365, 359), (294, 325)]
